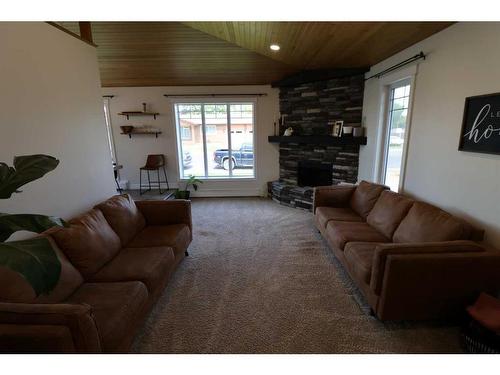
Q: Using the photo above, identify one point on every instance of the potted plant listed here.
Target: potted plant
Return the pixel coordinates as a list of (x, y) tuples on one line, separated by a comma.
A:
[(185, 194), (34, 259)]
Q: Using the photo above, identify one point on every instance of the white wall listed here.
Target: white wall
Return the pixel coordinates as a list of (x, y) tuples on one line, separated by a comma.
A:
[(462, 61), (50, 103), (131, 153)]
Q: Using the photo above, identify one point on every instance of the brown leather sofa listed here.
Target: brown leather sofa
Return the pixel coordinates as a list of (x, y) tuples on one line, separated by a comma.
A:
[(116, 261), (410, 260)]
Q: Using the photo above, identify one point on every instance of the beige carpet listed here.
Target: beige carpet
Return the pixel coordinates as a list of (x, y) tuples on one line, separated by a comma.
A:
[(260, 279)]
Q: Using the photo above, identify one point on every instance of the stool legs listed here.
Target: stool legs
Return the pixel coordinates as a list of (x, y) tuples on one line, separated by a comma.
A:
[(140, 181), (166, 179), (159, 182), (149, 181)]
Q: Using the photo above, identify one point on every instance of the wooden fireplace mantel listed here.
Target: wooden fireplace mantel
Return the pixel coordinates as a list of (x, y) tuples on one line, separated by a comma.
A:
[(318, 139)]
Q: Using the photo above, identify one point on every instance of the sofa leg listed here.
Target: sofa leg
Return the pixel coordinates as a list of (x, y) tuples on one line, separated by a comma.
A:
[(186, 253)]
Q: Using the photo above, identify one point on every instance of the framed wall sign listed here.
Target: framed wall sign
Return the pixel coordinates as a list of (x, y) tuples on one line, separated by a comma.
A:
[(481, 124)]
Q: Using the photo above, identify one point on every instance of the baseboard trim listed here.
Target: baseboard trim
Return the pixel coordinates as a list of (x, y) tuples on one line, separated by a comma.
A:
[(227, 193), (254, 192)]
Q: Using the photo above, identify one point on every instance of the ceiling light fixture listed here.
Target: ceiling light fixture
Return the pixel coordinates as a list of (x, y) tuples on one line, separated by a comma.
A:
[(274, 47)]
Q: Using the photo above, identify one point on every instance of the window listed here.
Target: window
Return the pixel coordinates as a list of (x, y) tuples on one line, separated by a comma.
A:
[(186, 133), (220, 142), (211, 129), (109, 130), (395, 134)]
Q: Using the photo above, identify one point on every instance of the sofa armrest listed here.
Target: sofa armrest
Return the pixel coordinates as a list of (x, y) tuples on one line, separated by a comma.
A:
[(37, 328), (332, 196), (176, 211), (430, 285), (382, 252)]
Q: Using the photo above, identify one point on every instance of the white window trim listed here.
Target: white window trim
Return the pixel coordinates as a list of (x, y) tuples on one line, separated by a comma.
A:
[(385, 83), (209, 100), (109, 130)]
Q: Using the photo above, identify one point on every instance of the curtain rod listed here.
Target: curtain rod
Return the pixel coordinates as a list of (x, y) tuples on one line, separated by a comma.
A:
[(209, 95), (397, 66)]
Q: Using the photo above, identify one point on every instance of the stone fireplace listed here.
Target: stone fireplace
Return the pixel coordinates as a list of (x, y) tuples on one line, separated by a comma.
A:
[(314, 173), (311, 157)]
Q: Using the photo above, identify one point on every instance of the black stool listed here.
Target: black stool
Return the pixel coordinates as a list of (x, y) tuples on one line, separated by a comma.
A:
[(154, 163)]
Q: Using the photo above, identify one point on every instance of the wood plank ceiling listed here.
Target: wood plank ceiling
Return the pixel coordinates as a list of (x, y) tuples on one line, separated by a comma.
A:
[(237, 53)]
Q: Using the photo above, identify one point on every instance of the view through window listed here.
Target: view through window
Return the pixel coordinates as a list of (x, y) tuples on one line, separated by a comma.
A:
[(397, 122), (216, 140)]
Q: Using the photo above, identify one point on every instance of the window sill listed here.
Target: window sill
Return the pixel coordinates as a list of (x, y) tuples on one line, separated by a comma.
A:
[(244, 178)]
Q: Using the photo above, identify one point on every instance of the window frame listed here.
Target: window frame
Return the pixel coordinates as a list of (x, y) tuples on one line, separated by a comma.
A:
[(407, 75), (109, 129), (210, 100)]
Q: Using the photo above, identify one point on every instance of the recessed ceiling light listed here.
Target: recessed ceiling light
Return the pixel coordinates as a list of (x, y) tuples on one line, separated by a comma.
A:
[(274, 47)]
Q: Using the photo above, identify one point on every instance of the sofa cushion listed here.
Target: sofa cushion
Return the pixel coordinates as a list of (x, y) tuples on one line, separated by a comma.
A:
[(359, 257), (388, 212), (15, 288), (365, 196), (177, 236), (116, 307), (88, 242), (123, 216), (325, 214), (341, 232), (427, 223), (151, 265)]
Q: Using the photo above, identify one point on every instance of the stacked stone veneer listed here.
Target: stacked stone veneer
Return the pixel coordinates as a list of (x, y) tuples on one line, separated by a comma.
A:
[(310, 109)]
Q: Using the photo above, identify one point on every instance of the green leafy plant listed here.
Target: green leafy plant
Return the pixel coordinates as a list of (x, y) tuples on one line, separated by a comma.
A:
[(191, 181), (34, 259)]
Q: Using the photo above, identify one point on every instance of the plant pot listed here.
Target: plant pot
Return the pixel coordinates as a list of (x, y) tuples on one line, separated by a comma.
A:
[(182, 194)]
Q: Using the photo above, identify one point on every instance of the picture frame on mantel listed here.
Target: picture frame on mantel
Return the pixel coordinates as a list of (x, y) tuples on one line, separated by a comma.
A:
[(481, 125), (337, 128)]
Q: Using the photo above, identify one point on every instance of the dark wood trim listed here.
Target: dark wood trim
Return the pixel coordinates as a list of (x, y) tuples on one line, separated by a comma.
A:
[(86, 31), (318, 139), (307, 76), (57, 26)]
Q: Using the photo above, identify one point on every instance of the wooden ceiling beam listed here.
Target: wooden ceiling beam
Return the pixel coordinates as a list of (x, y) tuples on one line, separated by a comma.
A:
[(86, 31)]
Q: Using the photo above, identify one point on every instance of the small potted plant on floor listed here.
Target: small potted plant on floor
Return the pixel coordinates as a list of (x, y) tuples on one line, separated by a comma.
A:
[(185, 194)]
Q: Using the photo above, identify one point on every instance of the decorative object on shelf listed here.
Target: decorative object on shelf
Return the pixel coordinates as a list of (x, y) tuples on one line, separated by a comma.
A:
[(34, 258), (185, 194), (144, 112), (281, 123), (337, 128), (347, 131), (358, 131), (288, 132), (481, 124), (126, 129)]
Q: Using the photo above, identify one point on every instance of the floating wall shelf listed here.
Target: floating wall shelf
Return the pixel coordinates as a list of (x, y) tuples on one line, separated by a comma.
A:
[(141, 132), (129, 114), (318, 139)]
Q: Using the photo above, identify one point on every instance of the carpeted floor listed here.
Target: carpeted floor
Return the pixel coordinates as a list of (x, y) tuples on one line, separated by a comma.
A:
[(260, 279)]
